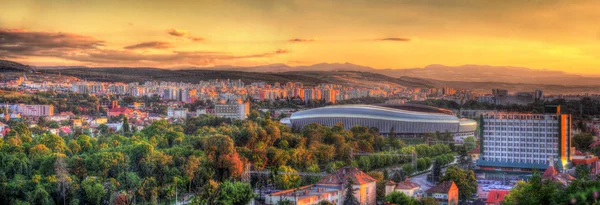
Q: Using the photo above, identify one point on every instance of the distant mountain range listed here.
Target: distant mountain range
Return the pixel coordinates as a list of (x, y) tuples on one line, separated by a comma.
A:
[(464, 73), (479, 78)]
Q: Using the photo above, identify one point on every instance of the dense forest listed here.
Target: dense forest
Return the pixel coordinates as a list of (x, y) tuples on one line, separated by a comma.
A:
[(203, 157)]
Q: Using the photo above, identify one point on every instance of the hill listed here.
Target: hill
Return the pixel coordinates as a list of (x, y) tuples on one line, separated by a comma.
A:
[(464, 73), (353, 78), (10, 66), (499, 74)]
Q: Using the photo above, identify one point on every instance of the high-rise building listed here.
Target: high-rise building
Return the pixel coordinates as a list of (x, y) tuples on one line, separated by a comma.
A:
[(308, 95), (329, 95), (522, 142), (36, 110), (237, 110)]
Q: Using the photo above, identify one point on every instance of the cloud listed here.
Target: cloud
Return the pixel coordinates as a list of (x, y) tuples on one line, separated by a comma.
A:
[(183, 34), (17, 42), (177, 32), (125, 57), (150, 45), (300, 40), (196, 38), (394, 39)]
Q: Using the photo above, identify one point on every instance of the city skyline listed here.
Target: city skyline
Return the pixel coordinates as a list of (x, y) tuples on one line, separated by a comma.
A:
[(553, 35)]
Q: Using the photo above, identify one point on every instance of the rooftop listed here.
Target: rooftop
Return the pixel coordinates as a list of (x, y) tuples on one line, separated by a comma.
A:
[(341, 176), (496, 196), (374, 112), (443, 187)]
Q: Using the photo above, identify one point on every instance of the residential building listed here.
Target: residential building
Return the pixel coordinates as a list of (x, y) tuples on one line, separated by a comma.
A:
[(553, 175), (236, 110), (311, 194), (446, 193), (331, 188), (32, 110), (522, 142), (179, 113), (407, 187), (365, 186)]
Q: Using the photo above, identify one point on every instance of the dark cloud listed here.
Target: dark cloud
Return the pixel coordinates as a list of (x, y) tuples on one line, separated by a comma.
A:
[(22, 42), (177, 32), (394, 39), (300, 40), (150, 45)]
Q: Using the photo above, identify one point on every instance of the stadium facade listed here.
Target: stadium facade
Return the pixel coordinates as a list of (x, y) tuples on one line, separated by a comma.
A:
[(402, 120)]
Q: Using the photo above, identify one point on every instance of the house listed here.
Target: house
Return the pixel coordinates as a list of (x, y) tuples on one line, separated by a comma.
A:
[(114, 112), (311, 194), (495, 197), (446, 193), (77, 122), (407, 187), (555, 176), (2, 128), (365, 186), (331, 188), (475, 154)]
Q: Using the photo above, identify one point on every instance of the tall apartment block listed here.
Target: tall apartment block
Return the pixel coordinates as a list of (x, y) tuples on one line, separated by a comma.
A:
[(237, 110), (518, 142)]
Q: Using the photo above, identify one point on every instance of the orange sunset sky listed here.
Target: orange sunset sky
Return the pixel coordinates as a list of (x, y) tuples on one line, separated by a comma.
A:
[(550, 34)]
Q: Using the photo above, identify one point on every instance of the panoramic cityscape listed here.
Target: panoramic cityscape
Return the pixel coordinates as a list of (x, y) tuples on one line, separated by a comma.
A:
[(299, 102)]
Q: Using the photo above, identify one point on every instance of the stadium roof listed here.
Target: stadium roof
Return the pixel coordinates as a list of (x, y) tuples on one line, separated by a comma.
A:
[(375, 112)]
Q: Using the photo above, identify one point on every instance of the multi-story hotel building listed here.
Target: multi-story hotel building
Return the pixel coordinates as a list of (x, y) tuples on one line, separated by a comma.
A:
[(236, 110), (518, 142)]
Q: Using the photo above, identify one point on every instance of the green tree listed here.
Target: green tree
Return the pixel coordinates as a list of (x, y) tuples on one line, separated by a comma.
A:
[(470, 143), (235, 193), (582, 172), (125, 127), (429, 201), (400, 198), (436, 171), (325, 202), (286, 181), (465, 181), (582, 141), (93, 189), (253, 115), (407, 169), (349, 198), (535, 191)]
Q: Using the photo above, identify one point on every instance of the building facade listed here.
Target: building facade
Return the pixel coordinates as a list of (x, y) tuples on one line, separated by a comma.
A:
[(446, 193), (179, 113), (522, 142), (236, 110)]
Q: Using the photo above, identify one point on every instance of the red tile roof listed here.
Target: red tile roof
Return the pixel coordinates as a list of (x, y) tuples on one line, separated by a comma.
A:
[(475, 151), (443, 187), (342, 175), (120, 109), (549, 173), (406, 184), (496, 196)]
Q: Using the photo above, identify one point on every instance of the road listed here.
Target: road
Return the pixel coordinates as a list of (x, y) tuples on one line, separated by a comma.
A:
[(421, 180)]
